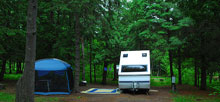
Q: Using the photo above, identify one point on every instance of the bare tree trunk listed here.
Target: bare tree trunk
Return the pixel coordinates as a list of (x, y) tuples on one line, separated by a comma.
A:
[(77, 54), (203, 64), (170, 57), (104, 73), (94, 73), (171, 62), (210, 77), (115, 72), (19, 70), (198, 79), (2, 73), (25, 85), (179, 65), (10, 67), (218, 76), (83, 56), (196, 72), (203, 75), (90, 60)]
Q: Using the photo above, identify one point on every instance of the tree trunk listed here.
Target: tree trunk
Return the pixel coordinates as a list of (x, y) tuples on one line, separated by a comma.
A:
[(19, 70), (94, 73), (104, 73), (83, 62), (203, 74), (203, 64), (210, 77), (198, 79), (2, 73), (13, 66), (90, 60), (77, 54), (179, 67), (219, 76), (170, 56), (115, 72), (196, 72), (171, 63), (25, 85), (10, 67)]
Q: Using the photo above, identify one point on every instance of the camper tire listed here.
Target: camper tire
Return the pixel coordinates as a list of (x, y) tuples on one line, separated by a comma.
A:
[(147, 92)]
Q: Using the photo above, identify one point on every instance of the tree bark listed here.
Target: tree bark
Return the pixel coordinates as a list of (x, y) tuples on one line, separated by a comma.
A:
[(210, 77), (10, 67), (196, 72), (179, 67), (104, 73), (219, 76), (203, 75), (19, 70), (77, 54), (171, 62), (170, 56), (83, 56), (115, 72), (25, 85), (90, 60), (94, 73), (2, 73), (198, 79), (203, 64)]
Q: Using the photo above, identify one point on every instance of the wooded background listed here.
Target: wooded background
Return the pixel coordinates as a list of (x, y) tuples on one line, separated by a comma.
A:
[(182, 35)]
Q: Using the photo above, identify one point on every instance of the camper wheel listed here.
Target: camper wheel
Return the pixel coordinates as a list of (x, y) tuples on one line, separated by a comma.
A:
[(147, 92)]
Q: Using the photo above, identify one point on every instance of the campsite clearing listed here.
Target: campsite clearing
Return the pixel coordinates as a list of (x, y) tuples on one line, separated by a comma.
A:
[(185, 92)]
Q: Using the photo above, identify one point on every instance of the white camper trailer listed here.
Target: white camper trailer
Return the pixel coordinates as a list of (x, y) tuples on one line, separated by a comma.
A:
[(134, 70)]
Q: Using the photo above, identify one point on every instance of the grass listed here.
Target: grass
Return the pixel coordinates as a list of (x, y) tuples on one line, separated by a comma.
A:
[(6, 97), (156, 81), (12, 76), (181, 98)]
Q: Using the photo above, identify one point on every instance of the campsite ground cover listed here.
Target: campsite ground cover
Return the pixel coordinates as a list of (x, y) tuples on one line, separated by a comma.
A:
[(185, 93)]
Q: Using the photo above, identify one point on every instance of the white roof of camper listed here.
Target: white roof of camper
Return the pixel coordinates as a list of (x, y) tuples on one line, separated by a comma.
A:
[(134, 57)]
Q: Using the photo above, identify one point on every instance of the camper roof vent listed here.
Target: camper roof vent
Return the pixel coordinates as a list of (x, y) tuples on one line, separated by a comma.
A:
[(144, 54), (125, 55)]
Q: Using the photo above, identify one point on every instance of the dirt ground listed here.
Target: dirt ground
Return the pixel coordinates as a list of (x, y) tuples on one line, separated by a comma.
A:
[(163, 94)]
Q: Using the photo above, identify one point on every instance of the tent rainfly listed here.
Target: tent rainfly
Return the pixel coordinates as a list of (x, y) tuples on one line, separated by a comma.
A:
[(53, 76)]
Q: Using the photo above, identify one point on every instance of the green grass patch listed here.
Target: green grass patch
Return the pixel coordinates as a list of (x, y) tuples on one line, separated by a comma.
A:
[(160, 81), (12, 76), (46, 99), (180, 98), (6, 97)]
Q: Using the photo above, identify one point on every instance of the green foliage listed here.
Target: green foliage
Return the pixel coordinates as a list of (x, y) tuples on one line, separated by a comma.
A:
[(216, 88)]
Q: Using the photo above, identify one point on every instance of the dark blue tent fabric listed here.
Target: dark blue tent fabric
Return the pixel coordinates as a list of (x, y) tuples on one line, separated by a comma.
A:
[(58, 68), (51, 65)]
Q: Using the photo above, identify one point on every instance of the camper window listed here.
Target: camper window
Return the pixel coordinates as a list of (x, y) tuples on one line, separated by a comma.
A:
[(134, 68), (144, 54), (125, 55)]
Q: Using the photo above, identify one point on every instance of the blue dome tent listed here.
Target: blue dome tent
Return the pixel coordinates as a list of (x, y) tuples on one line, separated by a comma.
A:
[(53, 76)]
